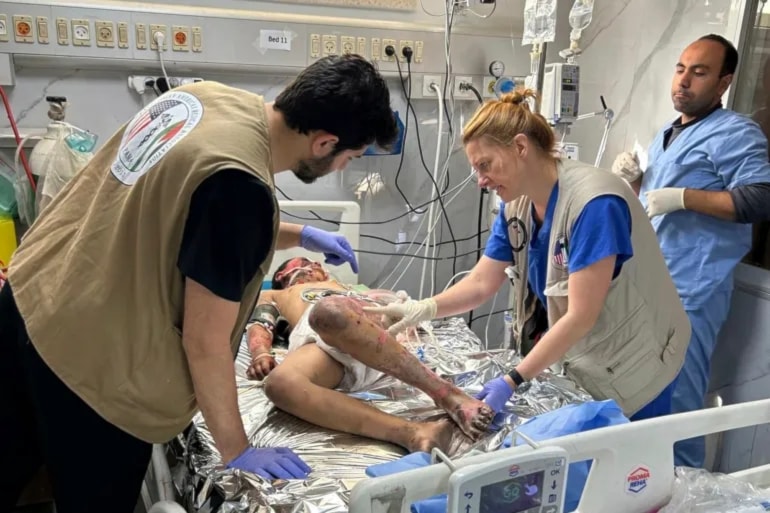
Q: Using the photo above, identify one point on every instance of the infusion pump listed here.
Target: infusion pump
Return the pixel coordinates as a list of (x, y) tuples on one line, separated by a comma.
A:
[(560, 98)]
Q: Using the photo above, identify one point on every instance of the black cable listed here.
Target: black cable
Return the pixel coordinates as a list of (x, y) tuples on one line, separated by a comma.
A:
[(450, 13), (391, 52), (492, 313), (476, 92)]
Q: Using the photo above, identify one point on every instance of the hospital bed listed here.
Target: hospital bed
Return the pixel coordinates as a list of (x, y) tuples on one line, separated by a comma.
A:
[(339, 483), (630, 472)]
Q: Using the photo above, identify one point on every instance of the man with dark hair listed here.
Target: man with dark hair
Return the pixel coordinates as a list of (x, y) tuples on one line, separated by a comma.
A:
[(127, 299), (706, 181), (336, 348)]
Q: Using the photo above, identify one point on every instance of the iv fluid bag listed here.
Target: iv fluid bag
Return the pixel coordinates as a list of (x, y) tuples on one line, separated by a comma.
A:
[(539, 22), (580, 17)]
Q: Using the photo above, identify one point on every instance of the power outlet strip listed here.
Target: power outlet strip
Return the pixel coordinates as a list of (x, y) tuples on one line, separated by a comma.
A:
[(140, 83)]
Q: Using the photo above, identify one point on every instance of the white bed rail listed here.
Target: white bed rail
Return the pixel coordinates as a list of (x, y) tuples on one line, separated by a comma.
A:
[(349, 211), (632, 470)]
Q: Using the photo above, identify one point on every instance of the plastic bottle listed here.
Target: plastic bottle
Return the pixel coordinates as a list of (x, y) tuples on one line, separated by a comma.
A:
[(580, 17)]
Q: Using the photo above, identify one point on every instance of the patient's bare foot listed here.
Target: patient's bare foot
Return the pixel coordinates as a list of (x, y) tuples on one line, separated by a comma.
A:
[(473, 416), (427, 435)]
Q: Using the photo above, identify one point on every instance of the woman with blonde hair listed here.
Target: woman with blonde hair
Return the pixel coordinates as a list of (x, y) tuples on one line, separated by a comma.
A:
[(591, 288)]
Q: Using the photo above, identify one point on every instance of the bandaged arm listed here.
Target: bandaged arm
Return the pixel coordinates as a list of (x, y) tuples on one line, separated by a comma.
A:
[(262, 331)]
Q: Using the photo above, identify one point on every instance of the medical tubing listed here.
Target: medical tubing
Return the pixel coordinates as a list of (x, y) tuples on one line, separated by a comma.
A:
[(17, 136), (478, 244), (414, 239), (439, 131), (489, 319), (412, 257)]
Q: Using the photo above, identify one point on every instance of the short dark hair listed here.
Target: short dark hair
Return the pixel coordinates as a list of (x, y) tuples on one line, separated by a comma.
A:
[(730, 63), (276, 283), (345, 96)]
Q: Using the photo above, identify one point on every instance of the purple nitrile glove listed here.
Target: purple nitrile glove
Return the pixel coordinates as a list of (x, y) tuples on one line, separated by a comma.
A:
[(335, 246), (496, 393), (272, 463)]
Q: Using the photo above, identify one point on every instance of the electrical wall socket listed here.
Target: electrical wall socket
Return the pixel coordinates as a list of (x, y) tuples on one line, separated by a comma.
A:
[(463, 94), (427, 80)]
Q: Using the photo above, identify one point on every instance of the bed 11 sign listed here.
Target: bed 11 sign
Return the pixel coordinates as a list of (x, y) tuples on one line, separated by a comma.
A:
[(275, 40)]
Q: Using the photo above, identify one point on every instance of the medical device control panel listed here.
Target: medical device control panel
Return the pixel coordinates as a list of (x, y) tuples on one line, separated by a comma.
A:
[(530, 483), (561, 87)]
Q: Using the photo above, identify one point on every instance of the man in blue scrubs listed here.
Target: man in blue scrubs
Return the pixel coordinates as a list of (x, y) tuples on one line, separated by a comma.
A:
[(707, 179)]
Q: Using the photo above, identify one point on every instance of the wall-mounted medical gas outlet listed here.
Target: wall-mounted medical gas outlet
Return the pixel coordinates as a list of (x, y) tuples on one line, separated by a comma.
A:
[(81, 32), (462, 93), (427, 80)]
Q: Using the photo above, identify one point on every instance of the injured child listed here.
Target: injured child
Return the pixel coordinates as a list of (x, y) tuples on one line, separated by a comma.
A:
[(336, 348)]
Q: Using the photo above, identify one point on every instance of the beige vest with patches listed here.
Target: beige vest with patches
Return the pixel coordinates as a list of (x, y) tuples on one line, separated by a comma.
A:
[(638, 344), (96, 277)]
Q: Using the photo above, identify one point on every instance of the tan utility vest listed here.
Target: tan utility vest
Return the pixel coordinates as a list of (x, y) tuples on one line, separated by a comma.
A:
[(638, 344), (96, 277)]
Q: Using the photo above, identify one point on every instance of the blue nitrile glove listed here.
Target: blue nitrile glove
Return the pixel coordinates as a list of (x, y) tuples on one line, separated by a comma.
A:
[(495, 393), (336, 247), (272, 463)]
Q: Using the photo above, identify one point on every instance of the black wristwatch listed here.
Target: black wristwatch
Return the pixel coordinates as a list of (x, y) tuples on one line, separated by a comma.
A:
[(516, 377)]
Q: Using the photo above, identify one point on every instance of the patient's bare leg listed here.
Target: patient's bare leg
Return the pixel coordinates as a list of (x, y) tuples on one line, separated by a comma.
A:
[(342, 323), (302, 385)]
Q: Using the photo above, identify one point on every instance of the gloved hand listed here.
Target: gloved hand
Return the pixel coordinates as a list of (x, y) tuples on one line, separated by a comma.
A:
[(496, 393), (410, 312), (626, 166), (336, 247), (272, 463), (663, 201)]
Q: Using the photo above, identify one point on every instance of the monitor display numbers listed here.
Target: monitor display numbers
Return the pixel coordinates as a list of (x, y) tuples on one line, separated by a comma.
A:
[(517, 495)]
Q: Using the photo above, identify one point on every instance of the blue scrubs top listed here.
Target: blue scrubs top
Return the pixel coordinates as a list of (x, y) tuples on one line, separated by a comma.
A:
[(602, 229), (720, 152)]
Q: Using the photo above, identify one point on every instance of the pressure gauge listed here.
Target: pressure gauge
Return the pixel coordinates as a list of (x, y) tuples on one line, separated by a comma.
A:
[(496, 69)]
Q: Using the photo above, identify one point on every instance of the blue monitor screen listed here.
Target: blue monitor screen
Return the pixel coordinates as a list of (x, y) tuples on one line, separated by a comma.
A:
[(517, 495)]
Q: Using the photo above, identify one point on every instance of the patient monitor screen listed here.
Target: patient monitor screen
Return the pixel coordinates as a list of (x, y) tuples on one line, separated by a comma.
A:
[(522, 494)]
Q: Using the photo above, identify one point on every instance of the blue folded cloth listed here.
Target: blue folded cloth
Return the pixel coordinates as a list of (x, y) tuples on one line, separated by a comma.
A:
[(408, 462)]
